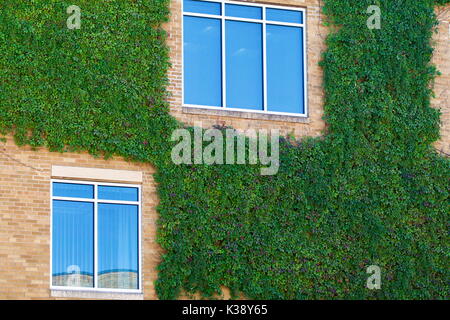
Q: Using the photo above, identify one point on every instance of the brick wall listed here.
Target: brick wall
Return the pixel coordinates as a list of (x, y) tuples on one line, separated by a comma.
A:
[(25, 218), (441, 59)]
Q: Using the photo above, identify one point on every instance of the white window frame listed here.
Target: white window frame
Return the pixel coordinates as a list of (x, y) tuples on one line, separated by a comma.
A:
[(263, 22), (96, 201)]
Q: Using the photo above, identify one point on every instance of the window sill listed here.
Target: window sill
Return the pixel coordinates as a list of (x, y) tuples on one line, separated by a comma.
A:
[(95, 295), (245, 114)]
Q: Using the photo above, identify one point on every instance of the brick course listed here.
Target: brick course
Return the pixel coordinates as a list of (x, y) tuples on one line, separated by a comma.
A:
[(441, 59)]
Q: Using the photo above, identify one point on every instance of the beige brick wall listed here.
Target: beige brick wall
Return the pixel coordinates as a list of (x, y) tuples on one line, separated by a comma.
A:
[(25, 218), (25, 174), (442, 84)]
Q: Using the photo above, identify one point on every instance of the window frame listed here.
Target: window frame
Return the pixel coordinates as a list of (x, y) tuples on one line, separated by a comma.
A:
[(96, 201), (264, 22)]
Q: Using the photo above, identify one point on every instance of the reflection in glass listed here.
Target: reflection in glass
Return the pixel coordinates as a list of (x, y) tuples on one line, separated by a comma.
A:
[(202, 7), (202, 61), (118, 193), (284, 15), (118, 246), (285, 69), (244, 62), (73, 244), (73, 190), (248, 12)]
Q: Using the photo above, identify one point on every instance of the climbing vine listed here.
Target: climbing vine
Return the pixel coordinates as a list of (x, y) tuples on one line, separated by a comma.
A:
[(371, 191)]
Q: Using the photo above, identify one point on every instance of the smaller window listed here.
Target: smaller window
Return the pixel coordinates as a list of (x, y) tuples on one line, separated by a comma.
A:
[(73, 190), (202, 7), (95, 236), (117, 193), (233, 10), (280, 15)]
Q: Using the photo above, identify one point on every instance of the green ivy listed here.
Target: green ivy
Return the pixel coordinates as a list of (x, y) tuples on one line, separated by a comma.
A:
[(441, 2), (88, 89), (372, 191)]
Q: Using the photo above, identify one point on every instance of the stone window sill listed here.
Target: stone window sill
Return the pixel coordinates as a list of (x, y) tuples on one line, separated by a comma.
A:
[(245, 115), (79, 294)]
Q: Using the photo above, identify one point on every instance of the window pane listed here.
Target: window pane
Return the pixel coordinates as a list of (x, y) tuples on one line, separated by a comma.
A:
[(285, 69), (118, 246), (284, 15), (202, 7), (73, 244), (244, 65), (72, 190), (249, 12), (202, 61), (117, 193)]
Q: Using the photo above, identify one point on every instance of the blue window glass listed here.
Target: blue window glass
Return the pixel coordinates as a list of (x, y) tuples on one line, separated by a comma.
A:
[(73, 237), (244, 65), (249, 12), (202, 7), (284, 15), (72, 190), (245, 75), (117, 193), (202, 61), (118, 246), (73, 244), (285, 69)]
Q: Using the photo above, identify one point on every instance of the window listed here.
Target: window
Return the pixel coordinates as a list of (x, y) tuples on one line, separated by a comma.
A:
[(95, 236), (244, 57)]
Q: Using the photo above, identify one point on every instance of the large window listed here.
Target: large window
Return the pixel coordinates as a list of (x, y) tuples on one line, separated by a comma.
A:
[(95, 236), (245, 57)]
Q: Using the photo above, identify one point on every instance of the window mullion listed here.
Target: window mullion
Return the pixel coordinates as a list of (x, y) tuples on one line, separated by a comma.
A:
[(140, 240), (224, 60), (264, 59), (96, 236)]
